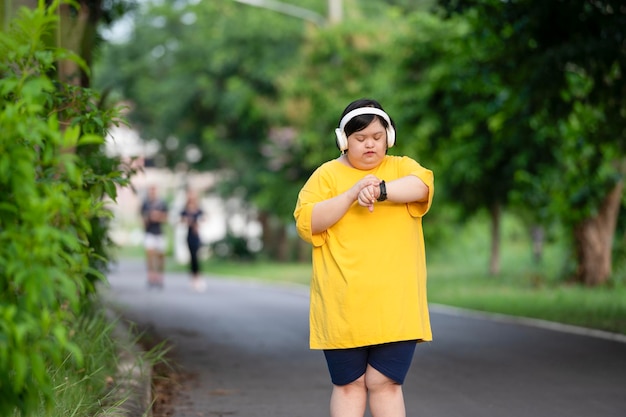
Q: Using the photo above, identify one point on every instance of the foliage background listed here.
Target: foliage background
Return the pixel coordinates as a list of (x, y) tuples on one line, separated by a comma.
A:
[(54, 183), (514, 109)]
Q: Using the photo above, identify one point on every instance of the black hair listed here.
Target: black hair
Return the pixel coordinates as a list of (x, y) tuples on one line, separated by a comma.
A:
[(361, 122)]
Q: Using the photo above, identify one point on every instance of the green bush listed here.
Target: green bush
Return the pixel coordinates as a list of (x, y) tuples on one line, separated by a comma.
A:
[(54, 178)]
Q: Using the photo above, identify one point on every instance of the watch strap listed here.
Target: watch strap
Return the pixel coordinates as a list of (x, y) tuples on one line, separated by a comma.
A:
[(383, 191)]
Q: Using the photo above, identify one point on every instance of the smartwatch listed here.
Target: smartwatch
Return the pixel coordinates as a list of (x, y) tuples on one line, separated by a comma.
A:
[(383, 191)]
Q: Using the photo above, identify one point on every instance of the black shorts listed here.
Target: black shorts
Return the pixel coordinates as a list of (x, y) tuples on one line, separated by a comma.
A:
[(391, 359)]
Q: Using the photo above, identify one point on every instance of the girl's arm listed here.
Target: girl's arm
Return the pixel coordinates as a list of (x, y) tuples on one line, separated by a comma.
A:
[(409, 189), (328, 212)]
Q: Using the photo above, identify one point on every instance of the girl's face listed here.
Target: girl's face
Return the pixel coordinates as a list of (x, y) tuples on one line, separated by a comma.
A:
[(367, 147)]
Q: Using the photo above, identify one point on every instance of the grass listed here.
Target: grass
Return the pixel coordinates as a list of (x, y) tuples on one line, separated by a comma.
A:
[(98, 386), (86, 388), (457, 276), (298, 273), (601, 308)]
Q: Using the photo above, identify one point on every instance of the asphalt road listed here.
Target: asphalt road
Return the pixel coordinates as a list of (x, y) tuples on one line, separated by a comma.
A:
[(246, 343)]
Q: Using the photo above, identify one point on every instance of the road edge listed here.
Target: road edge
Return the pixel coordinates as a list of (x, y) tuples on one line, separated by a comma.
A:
[(133, 392), (526, 321)]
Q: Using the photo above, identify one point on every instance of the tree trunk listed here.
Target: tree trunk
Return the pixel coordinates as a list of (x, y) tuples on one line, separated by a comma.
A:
[(282, 244), (593, 240), (73, 25), (537, 234), (494, 264), (275, 241), (9, 8), (304, 250), (266, 230)]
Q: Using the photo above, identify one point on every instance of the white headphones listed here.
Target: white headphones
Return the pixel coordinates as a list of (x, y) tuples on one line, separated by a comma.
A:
[(342, 139)]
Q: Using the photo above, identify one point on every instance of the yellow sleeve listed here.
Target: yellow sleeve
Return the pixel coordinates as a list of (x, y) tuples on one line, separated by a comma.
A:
[(419, 209), (312, 193)]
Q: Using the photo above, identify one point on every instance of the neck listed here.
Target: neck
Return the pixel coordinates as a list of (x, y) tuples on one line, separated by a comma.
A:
[(344, 159)]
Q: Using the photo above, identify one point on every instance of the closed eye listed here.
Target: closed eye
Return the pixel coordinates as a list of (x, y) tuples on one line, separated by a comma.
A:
[(361, 138)]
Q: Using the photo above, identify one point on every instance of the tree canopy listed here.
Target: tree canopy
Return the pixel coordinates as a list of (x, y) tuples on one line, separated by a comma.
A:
[(558, 68), (517, 105)]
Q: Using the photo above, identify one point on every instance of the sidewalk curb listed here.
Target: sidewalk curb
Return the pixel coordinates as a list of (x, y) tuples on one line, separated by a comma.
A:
[(543, 324), (134, 376)]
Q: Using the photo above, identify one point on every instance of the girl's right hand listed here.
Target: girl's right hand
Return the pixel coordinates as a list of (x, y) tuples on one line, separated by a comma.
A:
[(365, 191)]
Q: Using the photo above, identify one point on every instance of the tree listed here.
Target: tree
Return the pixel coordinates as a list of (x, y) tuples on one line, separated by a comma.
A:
[(203, 83), (215, 85), (201, 77), (336, 65), (561, 64), (450, 107), (77, 30)]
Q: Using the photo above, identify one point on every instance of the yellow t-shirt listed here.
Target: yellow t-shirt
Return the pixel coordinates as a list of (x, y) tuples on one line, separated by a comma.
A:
[(369, 269)]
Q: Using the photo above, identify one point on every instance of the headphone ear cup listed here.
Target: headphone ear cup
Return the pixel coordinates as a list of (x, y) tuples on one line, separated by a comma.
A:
[(342, 140), (391, 137)]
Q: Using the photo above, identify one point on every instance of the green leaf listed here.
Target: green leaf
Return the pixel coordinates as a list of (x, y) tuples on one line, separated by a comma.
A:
[(90, 139), (19, 363), (38, 367), (70, 136)]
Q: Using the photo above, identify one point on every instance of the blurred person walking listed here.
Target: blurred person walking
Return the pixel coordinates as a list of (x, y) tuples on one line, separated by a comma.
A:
[(154, 213), (192, 215)]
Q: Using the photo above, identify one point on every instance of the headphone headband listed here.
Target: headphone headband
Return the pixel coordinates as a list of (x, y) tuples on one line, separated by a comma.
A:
[(363, 110)]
